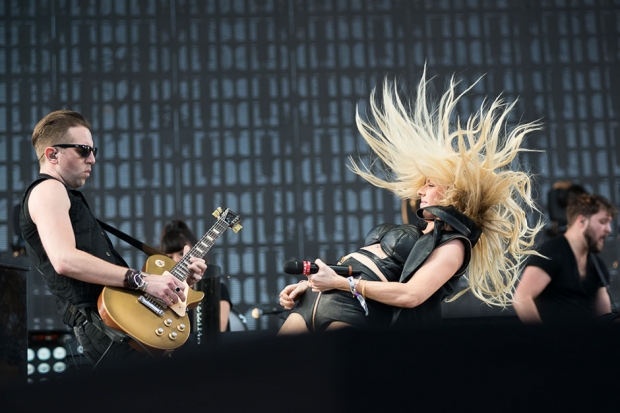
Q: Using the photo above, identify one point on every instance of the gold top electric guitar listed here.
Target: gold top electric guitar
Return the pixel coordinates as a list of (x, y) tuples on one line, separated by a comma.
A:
[(155, 327)]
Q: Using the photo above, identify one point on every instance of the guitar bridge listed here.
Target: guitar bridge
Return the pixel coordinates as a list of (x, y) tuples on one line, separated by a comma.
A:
[(150, 305)]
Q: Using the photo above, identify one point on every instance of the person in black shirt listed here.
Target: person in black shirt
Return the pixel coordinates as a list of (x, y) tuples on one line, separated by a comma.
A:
[(69, 248), (564, 286)]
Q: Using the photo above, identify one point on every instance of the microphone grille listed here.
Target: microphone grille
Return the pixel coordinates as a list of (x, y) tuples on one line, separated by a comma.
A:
[(293, 267)]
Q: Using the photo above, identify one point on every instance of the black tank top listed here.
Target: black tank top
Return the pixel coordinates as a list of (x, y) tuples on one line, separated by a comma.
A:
[(89, 237)]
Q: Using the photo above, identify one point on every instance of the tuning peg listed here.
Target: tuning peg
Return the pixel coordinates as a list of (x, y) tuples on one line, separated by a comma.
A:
[(217, 212), (236, 228)]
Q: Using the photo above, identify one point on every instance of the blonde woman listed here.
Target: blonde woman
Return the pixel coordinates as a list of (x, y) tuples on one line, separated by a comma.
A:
[(474, 203)]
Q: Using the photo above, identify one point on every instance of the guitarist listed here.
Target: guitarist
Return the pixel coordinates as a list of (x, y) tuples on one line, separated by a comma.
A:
[(68, 247), (567, 286), (175, 241)]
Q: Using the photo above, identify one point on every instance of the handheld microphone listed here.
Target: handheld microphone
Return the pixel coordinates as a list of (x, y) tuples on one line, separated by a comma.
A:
[(307, 268), (257, 312)]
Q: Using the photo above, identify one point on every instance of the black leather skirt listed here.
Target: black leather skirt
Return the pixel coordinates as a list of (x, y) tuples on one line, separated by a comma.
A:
[(319, 310)]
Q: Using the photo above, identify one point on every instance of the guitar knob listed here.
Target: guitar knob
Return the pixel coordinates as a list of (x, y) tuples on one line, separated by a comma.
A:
[(168, 322), (173, 335), (159, 331), (181, 327)]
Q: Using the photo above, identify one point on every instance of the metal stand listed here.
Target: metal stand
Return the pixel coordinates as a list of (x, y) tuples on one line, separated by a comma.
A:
[(206, 317)]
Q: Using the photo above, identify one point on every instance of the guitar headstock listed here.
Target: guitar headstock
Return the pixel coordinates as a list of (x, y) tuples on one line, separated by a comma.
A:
[(230, 217)]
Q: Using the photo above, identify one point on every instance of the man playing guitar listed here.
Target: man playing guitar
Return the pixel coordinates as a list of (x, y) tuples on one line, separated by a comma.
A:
[(70, 249)]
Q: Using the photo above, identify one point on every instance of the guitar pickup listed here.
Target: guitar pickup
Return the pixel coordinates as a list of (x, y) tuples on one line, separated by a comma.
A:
[(150, 305)]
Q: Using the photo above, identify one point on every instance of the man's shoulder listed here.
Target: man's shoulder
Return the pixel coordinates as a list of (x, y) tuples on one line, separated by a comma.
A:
[(555, 243), (50, 183), (47, 189), (45, 194)]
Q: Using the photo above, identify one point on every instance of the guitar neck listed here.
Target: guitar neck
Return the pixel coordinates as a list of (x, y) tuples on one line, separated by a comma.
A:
[(199, 250)]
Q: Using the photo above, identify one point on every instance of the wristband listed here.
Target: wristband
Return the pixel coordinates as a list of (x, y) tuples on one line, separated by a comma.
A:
[(357, 295), (135, 280), (142, 287)]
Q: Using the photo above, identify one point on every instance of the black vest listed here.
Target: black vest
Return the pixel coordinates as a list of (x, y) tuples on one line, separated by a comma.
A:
[(89, 237), (461, 227)]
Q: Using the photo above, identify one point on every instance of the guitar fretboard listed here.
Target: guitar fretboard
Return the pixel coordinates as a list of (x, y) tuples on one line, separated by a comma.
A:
[(199, 250)]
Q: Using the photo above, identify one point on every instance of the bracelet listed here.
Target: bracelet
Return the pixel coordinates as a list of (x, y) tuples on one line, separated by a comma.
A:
[(130, 278), (357, 295), (142, 287), (364, 288), (352, 287), (134, 280)]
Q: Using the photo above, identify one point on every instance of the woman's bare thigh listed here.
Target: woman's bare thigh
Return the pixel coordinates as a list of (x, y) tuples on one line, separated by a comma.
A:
[(294, 324)]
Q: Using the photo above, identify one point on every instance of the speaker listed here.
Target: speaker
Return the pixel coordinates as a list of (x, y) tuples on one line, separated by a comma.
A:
[(13, 332), (42, 313)]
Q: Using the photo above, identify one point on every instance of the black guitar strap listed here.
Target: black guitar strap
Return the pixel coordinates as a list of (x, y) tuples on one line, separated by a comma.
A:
[(145, 248), (599, 271)]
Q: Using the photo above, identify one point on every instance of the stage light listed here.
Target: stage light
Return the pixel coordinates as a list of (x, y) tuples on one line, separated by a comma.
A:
[(44, 353), (59, 367), (43, 368), (48, 355), (60, 353)]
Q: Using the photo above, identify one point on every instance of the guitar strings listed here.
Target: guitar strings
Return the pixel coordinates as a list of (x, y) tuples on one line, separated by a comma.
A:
[(218, 228)]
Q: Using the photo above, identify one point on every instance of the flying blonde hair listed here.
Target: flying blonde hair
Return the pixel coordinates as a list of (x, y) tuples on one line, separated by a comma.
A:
[(476, 164)]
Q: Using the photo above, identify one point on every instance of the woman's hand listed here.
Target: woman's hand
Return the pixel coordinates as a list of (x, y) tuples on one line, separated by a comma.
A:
[(326, 279), (291, 293)]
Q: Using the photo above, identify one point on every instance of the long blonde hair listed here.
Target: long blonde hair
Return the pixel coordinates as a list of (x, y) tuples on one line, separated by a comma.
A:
[(476, 163)]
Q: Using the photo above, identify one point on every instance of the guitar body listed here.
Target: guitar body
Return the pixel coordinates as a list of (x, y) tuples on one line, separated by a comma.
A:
[(120, 308), (153, 326), (157, 264)]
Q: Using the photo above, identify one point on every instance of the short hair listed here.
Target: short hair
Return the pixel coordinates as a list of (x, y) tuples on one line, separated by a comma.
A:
[(588, 205), (52, 129), (175, 236), (559, 197)]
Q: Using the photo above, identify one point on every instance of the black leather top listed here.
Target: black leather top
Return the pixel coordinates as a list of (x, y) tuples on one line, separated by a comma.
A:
[(407, 247)]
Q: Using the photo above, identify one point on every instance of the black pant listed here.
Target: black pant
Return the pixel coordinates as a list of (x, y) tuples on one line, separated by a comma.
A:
[(98, 348)]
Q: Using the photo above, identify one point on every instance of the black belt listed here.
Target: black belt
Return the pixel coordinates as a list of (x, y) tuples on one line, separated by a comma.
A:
[(75, 315)]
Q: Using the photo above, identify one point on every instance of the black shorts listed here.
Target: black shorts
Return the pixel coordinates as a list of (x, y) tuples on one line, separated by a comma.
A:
[(319, 310)]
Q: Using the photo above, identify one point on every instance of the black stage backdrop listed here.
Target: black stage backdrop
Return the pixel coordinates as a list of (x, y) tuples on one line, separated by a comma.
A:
[(249, 105)]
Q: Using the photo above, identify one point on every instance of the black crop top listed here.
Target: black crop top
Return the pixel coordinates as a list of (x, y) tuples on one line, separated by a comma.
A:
[(408, 248), (405, 254), (397, 241)]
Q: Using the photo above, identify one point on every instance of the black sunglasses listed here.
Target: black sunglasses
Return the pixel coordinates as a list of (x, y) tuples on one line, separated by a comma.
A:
[(83, 150)]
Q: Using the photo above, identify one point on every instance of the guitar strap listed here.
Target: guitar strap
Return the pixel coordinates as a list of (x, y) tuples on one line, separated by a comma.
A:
[(599, 271), (145, 248)]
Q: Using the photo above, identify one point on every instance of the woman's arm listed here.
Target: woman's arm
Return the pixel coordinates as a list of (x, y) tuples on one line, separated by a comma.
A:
[(224, 315), (291, 293), (439, 267)]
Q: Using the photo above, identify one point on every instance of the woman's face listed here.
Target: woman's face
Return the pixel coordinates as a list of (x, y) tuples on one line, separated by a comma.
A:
[(176, 256), (430, 194)]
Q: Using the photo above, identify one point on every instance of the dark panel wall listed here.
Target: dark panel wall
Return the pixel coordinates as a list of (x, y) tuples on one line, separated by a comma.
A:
[(250, 105)]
